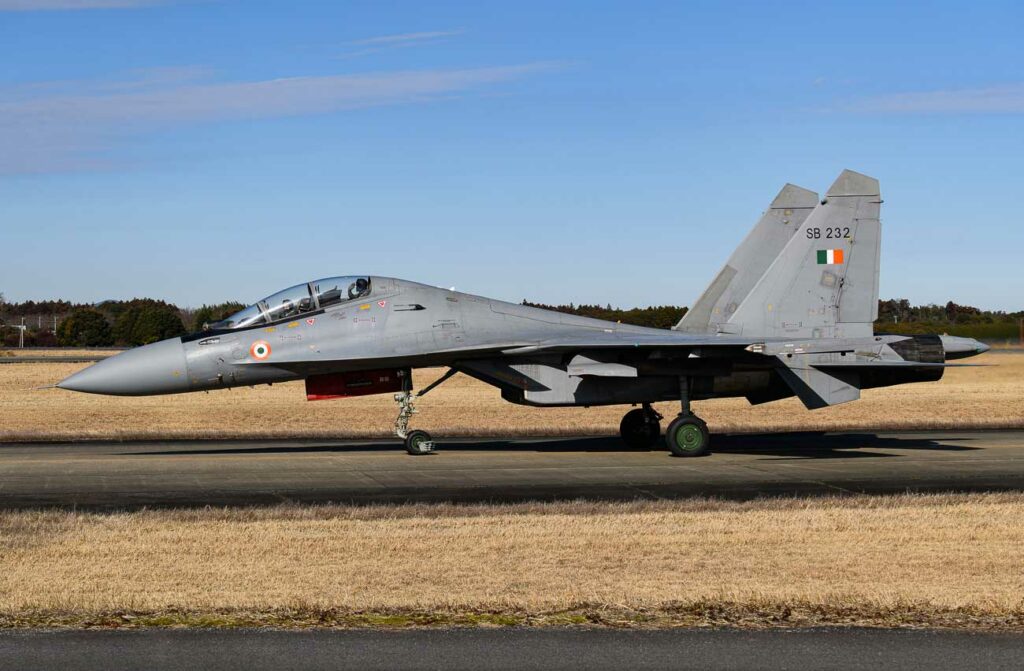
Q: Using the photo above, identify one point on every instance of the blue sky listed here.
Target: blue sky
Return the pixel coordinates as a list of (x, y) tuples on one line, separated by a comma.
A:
[(556, 151)]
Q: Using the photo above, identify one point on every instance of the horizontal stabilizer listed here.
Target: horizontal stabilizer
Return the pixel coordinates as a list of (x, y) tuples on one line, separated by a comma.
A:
[(817, 388), (879, 365)]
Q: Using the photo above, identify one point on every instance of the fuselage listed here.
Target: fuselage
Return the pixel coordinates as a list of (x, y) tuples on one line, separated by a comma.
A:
[(370, 323), (395, 324)]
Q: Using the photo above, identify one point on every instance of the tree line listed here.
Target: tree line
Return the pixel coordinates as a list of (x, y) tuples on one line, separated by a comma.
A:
[(657, 316), (130, 323), (141, 321), (899, 316), (896, 316)]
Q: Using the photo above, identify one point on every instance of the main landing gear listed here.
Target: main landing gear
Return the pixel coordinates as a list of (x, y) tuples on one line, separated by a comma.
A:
[(417, 441), (687, 435), (641, 428)]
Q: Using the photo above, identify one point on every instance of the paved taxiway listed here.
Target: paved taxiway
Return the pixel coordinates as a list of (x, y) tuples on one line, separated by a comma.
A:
[(188, 473), (479, 649)]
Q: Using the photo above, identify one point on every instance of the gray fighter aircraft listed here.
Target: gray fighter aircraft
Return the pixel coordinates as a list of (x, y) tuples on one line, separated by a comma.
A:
[(790, 313)]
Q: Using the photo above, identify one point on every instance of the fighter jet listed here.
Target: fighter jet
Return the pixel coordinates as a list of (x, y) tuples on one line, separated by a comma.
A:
[(790, 314)]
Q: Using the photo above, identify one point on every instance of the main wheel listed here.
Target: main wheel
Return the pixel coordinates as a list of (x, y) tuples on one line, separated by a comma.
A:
[(418, 442), (688, 436), (640, 430)]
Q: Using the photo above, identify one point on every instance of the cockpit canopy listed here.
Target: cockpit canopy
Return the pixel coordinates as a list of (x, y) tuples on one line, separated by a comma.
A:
[(297, 301)]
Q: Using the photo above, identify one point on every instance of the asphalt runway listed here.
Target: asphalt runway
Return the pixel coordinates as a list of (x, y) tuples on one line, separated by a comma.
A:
[(107, 475), (480, 649)]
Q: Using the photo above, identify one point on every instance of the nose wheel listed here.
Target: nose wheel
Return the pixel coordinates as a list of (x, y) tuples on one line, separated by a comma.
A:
[(419, 442)]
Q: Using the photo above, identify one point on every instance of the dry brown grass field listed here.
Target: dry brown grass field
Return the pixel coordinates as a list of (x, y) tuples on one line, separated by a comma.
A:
[(54, 351), (986, 397), (912, 560)]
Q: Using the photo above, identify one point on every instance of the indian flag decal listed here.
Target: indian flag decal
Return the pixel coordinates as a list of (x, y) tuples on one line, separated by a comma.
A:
[(830, 257), (260, 350)]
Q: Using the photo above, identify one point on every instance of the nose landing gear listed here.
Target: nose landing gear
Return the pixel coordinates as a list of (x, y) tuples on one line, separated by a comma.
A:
[(417, 441)]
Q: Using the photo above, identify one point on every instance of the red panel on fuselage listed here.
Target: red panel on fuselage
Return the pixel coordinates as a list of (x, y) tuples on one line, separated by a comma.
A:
[(362, 383)]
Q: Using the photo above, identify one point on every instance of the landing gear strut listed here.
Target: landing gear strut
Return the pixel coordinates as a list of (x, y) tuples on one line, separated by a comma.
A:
[(417, 441), (641, 428), (687, 435)]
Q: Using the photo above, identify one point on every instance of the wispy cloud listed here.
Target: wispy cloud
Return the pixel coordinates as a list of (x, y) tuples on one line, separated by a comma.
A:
[(60, 127), (375, 45), (56, 5), (1006, 99), (133, 80), (405, 38)]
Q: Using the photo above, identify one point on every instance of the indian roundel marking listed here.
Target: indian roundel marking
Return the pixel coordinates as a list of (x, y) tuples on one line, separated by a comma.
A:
[(260, 350), (382, 303)]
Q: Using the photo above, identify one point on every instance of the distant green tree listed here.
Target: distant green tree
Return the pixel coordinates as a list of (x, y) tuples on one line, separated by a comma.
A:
[(156, 323), (657, 316), (208, 314), (85, 328), (124, 326), (141, 321), (202, 315), (148, 323)]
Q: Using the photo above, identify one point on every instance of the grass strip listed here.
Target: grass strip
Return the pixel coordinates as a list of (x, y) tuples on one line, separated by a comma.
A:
[(690, 615)]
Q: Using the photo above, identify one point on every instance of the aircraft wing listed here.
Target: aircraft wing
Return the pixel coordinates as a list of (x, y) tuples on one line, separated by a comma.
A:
[(620, 340), (613, 340)]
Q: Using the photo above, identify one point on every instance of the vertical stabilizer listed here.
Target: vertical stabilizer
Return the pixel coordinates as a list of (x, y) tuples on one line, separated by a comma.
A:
[(746, 265), (824, 283)]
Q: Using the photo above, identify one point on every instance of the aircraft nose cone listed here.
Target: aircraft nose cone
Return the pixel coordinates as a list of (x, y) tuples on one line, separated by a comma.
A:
[(151, 369), (982, 348)]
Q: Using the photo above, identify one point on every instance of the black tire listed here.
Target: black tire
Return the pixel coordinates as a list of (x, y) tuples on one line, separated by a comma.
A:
[(414, 442), (637, 432), (688, 436)]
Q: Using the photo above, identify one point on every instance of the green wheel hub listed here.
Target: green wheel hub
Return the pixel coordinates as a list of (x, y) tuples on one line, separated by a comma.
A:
[(689, 437)]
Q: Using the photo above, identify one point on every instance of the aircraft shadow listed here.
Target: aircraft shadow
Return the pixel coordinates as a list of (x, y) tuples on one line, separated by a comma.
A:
[(791, 445), (821, 445)]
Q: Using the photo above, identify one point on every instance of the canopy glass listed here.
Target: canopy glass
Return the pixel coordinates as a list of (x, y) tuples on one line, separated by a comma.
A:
[(296, 301)]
